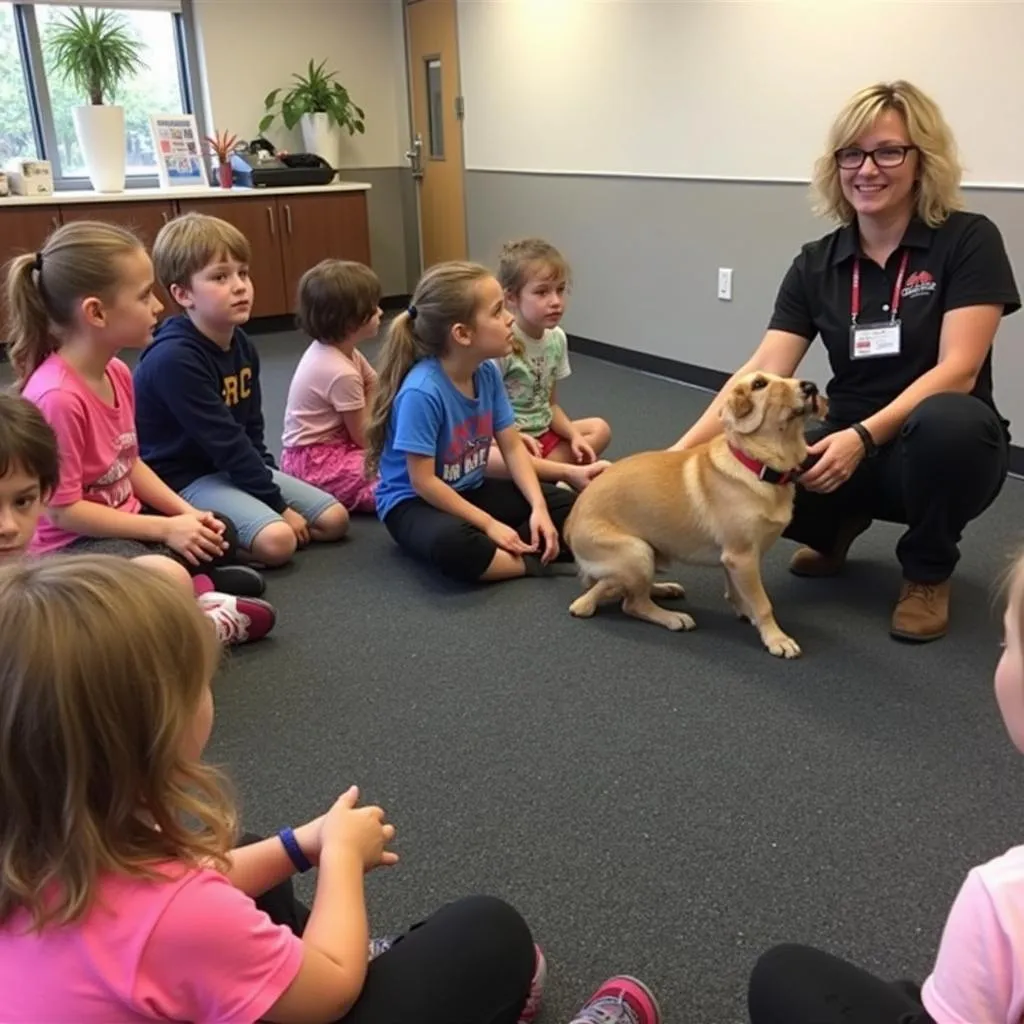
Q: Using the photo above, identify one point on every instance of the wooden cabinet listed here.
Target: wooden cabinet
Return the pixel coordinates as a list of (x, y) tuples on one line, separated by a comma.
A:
[(22, 231), (145, 218), (258, 220), (288, 233), (315, 230)]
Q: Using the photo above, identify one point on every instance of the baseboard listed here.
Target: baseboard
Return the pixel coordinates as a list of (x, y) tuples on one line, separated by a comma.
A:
[(695, 376)]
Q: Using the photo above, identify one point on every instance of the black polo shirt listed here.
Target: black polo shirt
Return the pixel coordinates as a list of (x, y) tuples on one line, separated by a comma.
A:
[(961, 263)]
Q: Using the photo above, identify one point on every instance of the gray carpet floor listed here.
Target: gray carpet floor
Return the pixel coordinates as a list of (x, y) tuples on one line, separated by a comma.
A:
[(663, 804)]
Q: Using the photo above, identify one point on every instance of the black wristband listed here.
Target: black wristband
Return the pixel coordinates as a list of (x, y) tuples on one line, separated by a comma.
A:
[(870, 448)]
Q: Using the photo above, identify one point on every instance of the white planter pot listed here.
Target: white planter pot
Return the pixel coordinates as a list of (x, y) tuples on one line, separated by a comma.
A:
[(323, 137), (101, 134)]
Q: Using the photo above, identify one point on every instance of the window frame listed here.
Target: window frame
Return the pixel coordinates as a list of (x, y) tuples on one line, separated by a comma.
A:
[(30, 48)]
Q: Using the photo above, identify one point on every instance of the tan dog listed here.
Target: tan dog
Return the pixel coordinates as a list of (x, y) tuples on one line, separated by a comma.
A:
[(727, 500)]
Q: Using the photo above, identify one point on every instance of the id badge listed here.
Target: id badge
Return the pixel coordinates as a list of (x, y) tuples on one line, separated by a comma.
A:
[(869, 341)]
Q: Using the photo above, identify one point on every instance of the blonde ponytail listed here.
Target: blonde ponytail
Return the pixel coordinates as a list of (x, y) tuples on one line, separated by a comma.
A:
[(29, 323), (445, 296), (397, 359), (45, 289)]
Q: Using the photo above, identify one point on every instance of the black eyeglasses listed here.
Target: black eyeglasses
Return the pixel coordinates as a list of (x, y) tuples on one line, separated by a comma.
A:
[(851, 158)]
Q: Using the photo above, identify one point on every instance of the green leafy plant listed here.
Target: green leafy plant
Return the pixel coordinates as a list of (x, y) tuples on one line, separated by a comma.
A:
[(95, 51), (316, 92)]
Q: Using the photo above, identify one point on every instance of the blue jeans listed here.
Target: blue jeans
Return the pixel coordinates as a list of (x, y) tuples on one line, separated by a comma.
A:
[(216, 493)]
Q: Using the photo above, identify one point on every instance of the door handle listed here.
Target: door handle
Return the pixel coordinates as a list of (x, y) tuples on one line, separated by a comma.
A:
[(288, 216), (415, 157), (270, 217)]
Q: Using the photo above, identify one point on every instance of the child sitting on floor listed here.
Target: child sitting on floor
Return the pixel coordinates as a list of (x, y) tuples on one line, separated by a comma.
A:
[(332, 389), (439, 409), (200, 404), (535, 277), (75, 304), (976, 978)]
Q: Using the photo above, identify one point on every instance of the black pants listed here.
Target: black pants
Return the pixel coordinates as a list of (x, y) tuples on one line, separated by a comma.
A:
[(946, 465), (460, 550), (800, 985), (123, 547), (471, 962)]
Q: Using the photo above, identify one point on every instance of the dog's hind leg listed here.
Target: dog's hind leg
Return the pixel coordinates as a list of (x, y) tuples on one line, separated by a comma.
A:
[(586, 604), (637, 576), (667, 590)]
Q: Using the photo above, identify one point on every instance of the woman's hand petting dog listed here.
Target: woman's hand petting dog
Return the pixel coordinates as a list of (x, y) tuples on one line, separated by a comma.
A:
[(837, 457)]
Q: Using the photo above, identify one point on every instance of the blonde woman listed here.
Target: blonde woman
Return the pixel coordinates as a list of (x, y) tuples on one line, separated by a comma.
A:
[(907, 294)]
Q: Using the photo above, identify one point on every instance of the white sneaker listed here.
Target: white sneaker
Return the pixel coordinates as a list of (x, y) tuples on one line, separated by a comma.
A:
[(238, 620)]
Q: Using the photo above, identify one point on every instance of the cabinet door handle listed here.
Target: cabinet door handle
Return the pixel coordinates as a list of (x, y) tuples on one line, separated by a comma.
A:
[(270, 217), (288, 216), (166, 217), (55, 221)]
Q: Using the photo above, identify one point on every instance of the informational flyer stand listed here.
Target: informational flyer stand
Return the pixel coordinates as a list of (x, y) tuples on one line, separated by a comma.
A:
[(179, 151)]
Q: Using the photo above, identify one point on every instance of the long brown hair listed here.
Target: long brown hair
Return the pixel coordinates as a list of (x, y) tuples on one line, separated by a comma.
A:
[(105, 666), (27, 442), (445, 296), (44, 289)]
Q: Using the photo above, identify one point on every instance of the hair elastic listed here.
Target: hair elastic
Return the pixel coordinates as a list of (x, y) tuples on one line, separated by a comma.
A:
[(37, 263), (412, 311), (291, 845)]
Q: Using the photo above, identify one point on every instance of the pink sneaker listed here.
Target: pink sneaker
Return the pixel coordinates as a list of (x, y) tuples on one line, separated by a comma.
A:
[(239, 620), (620, 1000), (533, 1000)]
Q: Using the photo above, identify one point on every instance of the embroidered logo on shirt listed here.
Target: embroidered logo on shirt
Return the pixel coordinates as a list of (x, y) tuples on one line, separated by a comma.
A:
[(919, 283)]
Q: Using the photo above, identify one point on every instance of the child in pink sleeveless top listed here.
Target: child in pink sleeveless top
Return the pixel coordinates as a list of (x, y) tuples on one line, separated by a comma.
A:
[(977, 976), (332, 390)]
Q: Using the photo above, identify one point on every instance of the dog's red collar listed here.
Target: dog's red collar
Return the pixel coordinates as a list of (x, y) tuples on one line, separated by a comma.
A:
[(763, 471)]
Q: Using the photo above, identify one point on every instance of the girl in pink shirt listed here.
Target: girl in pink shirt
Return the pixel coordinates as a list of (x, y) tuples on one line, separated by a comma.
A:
[(74, 305), (123, 896), (977, 976), (329, 399)]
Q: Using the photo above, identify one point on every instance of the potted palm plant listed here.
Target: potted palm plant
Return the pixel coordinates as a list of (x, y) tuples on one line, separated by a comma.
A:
[(96, 52), (323, 108)]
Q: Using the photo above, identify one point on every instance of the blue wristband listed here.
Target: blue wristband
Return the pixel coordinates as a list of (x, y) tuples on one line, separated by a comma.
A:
[(291, 845)]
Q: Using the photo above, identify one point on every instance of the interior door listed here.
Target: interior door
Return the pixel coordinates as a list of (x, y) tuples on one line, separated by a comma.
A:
[(436, 152)]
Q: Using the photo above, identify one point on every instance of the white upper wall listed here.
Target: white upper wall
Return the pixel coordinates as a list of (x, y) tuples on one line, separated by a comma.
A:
[(725, 89), (249, 48)]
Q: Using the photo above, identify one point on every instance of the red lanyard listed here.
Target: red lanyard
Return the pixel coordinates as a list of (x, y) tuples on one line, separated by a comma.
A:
[(896, 292)]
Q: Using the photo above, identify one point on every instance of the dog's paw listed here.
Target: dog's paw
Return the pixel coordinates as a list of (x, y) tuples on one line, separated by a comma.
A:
[(582, 608), (679, 621), (667, 590), (784, 647)]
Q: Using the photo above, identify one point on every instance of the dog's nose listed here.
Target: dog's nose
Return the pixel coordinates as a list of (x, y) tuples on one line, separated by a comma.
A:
[(809, 388)]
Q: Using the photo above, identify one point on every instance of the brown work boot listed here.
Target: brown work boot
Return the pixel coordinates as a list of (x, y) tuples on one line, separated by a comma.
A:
[(922, 612), (808, 562)]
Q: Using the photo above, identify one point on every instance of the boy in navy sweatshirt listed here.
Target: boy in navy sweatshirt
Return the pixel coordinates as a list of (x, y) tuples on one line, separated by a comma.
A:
[(198, 404)]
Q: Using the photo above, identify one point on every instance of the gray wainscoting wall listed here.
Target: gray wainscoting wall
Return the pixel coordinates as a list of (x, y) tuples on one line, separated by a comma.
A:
[(394, 234), (646, 251)]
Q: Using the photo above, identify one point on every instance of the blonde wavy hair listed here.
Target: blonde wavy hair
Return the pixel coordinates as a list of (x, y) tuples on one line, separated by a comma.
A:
[(939, 168), (104, 666)]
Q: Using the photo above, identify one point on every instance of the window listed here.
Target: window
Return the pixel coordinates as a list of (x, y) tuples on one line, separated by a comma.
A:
[(36, 109), (17, 136), (435, 108)]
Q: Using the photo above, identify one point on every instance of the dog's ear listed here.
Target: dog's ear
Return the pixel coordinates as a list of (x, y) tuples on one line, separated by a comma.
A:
[(740, 411)]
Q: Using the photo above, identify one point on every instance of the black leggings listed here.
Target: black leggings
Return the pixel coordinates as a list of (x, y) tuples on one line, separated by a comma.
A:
[(460, 550), (122, 547), (471, 962), (800, 985), (946, 465)]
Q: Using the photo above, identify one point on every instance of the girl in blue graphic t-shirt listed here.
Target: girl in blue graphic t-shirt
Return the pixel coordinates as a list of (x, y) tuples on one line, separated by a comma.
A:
[(439, 405)]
